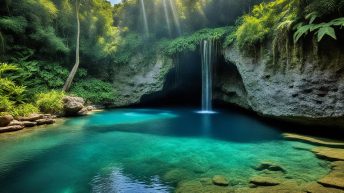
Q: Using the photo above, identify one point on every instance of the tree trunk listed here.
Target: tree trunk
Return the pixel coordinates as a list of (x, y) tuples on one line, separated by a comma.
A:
[(72, 73)]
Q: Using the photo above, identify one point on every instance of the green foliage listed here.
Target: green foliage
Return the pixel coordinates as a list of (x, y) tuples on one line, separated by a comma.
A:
[(50, 102), (24, 110), (190, 42), (8, 87), (6, 105), (14, 24), (264, 21), (47, 36), (322, 8), (321, 30), (94, 90), (128, 47)]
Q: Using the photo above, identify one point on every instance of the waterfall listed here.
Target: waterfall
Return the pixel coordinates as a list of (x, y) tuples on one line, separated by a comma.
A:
[(207, 59)]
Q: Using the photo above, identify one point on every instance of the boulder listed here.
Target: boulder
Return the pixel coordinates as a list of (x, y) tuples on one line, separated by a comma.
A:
[(28, 123), (90, 108), (220, 180), (72, 105), (11, 128), (5, 120), (31, 118), (45, 121), (16, 122), (84, 111)]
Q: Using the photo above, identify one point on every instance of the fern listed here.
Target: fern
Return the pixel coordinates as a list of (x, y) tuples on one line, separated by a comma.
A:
[(13, 24), (321, 30), (326, 30), (4, 67)]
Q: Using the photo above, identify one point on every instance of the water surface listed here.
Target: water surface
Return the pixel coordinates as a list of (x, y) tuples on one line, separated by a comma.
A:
[(146, 150)]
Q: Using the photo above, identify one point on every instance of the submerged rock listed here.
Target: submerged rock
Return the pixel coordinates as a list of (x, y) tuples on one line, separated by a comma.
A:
[(335, 178), (331, 154), (5, 120), (313, 140), (199, 186), (176, 175), (270, 166), (318, 188), (264, 181), (220, 180)]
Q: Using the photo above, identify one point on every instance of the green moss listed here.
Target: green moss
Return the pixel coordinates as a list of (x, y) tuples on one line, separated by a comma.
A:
[(190, 42)]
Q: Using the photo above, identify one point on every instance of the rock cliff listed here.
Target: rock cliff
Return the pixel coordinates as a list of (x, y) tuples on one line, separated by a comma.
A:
[(140, 78), (305, 86)]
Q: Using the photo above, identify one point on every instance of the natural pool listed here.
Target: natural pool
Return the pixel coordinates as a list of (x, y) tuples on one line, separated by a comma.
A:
[(147, 150)]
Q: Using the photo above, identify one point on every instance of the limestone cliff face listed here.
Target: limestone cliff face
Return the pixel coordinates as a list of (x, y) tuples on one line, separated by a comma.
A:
[(138, 79), (310, 89)]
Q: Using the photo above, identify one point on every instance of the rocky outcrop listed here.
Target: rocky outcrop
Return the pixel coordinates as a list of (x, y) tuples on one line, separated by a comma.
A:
[(307, 85), (29, 121), (140, 78), (74, 106), (5, 120)]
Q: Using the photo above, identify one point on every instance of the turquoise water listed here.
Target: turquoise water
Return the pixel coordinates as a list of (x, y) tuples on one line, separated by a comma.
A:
[(146, 150)]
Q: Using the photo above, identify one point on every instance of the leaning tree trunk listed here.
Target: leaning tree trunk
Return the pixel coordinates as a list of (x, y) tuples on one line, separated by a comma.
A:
[(72, 73)]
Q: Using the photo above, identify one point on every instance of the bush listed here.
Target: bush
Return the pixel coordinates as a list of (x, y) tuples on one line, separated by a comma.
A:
[(5, 104), (94, 90), (24, 110), (263, 22), (50, 102)]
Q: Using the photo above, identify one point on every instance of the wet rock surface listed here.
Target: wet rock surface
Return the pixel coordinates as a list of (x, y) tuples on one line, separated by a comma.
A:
[(308, 91), (132, 83)]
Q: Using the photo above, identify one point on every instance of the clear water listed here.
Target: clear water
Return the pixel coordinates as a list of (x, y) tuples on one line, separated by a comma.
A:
[(145, 150)]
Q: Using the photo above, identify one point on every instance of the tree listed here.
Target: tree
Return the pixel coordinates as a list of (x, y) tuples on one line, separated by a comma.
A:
[(71, 76)]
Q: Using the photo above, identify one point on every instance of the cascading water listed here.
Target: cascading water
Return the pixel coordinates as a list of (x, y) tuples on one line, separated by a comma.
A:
[(207, 59)]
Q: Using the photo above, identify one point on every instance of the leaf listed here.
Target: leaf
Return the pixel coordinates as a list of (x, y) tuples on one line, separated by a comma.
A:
[(326, 31), (338, 22), (312, 17), (303, 30)]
